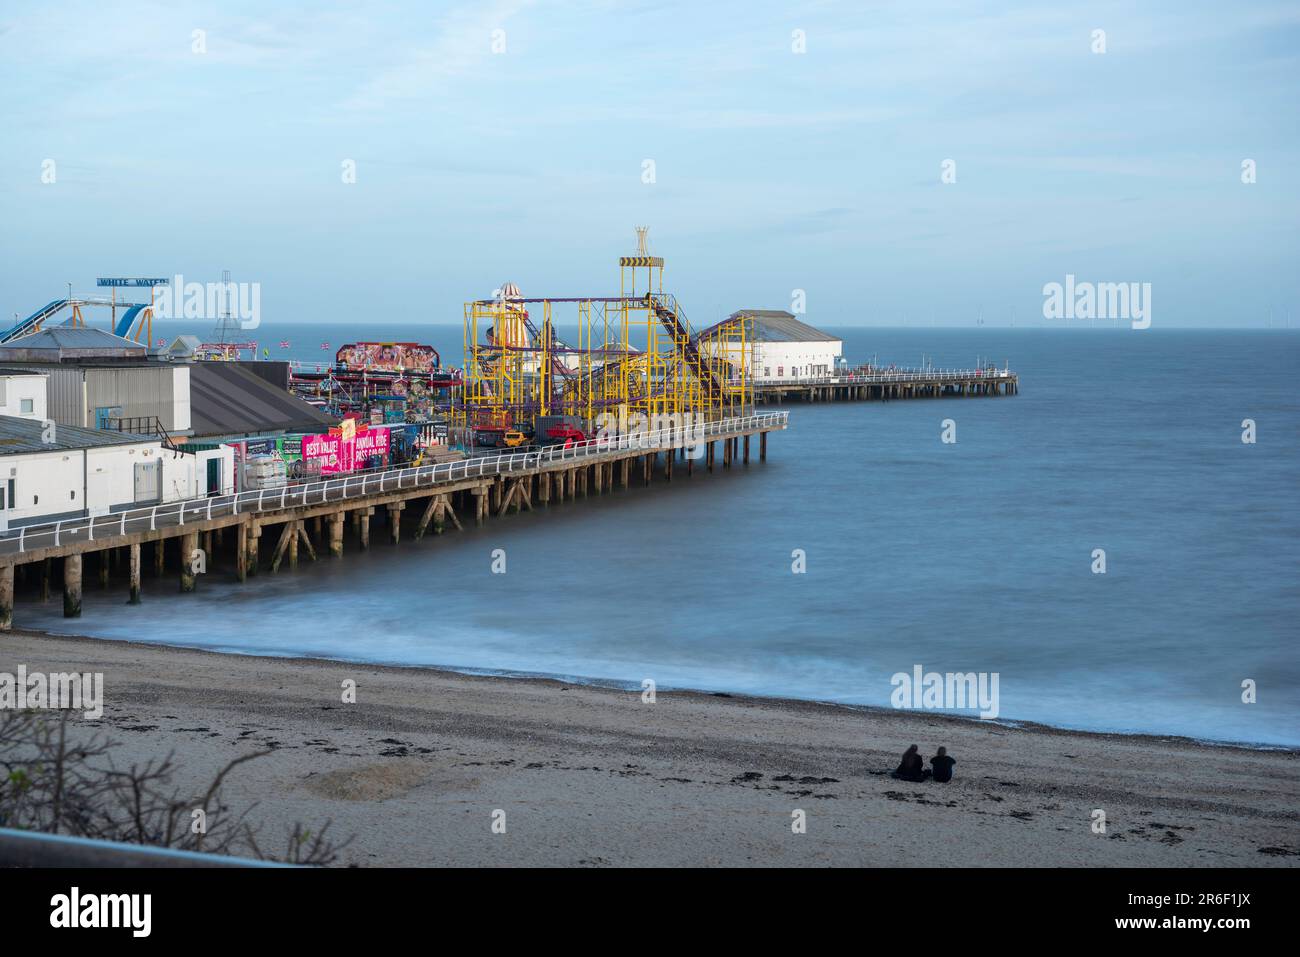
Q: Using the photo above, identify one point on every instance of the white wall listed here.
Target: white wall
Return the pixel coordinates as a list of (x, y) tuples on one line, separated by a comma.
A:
[(226, 454), (52, 485), (45, 483), (785, 360), (790, 360), (14, 389)]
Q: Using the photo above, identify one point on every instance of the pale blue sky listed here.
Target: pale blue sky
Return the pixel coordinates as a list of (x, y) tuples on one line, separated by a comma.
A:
[(774, 170)]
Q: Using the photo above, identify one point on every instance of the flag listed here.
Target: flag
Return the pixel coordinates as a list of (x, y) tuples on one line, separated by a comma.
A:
[(324, 345), (284, 343)]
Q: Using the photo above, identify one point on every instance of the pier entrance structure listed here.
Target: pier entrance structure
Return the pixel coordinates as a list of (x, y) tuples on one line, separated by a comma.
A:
[(616, 357)]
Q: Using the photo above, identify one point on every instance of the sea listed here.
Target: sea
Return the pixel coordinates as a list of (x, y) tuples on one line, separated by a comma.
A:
[(1104, 542)]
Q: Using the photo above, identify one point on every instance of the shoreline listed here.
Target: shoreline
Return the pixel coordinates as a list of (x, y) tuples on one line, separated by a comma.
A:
[(415, 769), (629, 686)]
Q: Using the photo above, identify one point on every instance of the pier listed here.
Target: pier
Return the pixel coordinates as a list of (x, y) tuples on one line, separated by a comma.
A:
[(887, 385), (312, 517)]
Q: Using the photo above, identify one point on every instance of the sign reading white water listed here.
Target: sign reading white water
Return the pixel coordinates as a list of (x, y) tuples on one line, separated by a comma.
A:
[(131, 282)]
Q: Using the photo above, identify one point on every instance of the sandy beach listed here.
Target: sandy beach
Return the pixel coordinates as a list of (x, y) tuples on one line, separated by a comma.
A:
[(591, 776)]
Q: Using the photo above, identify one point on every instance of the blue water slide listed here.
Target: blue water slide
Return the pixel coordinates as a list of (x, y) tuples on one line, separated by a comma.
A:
[(38, 316), (124, 324)]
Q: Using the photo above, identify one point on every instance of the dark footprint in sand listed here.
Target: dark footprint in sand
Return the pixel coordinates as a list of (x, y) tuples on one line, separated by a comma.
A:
[(1280, 851), (746, 777)]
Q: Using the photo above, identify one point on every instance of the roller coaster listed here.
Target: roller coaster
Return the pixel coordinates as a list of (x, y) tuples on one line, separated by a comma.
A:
[(633, 353)]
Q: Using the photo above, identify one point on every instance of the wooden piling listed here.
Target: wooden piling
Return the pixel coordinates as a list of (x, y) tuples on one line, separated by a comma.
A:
[(241, 552), (6, 597), (133, 572), (72, 586), (306, 540), (189, 545), (254, 557)]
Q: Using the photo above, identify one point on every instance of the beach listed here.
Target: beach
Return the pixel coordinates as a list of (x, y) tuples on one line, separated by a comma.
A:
[(419, 767)]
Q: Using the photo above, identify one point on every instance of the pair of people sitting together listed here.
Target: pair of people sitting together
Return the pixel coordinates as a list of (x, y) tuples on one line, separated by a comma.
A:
[(912, 767)]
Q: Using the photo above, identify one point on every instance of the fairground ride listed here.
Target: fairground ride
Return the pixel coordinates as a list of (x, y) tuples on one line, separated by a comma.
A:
[(633, 353)]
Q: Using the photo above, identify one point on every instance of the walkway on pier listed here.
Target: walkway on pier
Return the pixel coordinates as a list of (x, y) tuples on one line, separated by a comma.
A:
[(891, 384), (480, 485)]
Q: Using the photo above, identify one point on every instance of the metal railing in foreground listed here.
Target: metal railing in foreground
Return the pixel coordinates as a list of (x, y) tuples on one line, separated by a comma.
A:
[(177, 514), (36, 849)]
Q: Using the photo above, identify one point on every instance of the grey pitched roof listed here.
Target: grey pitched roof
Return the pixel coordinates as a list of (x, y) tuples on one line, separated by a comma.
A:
[(226, 399), (184, 345), (25, 435), (70, 342), (777, 325), (770, 325)]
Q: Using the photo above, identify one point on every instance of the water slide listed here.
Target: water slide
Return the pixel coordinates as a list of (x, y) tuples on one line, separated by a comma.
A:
[(40, 315), (123, 327)]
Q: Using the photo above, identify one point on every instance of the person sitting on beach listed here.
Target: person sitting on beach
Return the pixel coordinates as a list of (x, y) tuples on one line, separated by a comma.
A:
[(912, 767), (942, 765)]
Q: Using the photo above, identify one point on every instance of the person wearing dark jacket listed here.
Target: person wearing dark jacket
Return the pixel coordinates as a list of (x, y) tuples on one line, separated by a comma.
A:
[(912, 767), (942, 765)]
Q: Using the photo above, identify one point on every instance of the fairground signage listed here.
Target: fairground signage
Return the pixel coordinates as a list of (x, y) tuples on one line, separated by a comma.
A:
[(131, 282)]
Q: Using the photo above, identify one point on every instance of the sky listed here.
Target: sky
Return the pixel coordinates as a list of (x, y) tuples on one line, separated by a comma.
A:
[(770, 148)]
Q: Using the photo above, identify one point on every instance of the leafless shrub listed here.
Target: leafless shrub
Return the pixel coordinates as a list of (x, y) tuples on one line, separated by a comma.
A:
[(52, 784)]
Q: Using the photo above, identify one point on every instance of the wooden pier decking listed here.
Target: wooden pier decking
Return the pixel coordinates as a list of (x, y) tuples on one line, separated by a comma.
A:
[(475, 488), (887, 385)]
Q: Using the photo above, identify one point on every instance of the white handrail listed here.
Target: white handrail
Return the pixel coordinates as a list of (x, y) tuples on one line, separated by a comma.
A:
[(899, 375)]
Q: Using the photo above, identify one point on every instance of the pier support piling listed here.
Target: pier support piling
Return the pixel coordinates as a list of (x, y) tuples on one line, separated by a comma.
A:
[(133, 572), (6, 597), (281, 546), (395, 521), (189, 545), (72, 586), (254, 549), (306, 540), (336, 534), (241, 552)]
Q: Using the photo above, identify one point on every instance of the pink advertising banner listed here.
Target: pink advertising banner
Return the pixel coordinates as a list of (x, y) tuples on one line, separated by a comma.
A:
[(336, 454)]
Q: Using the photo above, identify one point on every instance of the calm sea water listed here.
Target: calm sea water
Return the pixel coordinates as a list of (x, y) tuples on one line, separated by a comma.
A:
[(968, 557)]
